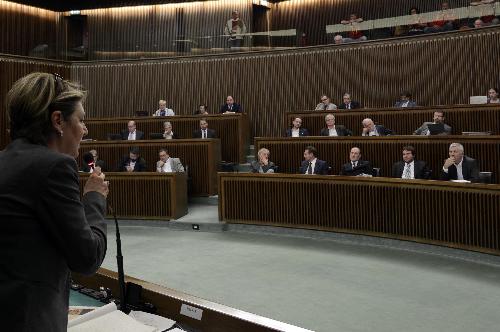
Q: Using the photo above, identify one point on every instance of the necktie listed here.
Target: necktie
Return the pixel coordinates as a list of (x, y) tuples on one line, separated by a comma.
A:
[(407, 172), (204, 134), (326, 107), (354, 164), (309, 168)]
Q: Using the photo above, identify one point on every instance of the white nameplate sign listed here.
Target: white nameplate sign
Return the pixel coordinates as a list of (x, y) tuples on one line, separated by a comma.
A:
[(190, 311)]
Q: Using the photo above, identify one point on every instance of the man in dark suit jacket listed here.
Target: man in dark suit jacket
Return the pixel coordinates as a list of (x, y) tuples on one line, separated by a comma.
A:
[(311, 164), (370, 129), (405, 100), (409, 168), (332, 129), (296, 130), (356, 166), (204, 131), (230, 106), (46, 231), (132, 133), (458, 166), (133, 162), (348, 103)]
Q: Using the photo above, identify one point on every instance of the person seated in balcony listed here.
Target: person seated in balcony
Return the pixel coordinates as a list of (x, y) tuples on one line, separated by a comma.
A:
[(311, 164), (459, 166), (444, 20), (488, 17), (370, 129), (167, 164), (325, 104), (355, 34), (133, 162), (163, 110), (405, 100), (356, 166), (334, 130), (263, 164), (493, 97), (417, 24), (409, 167), (202, 110), (348, 103), (437, 119), (230, 106), (296, 130)]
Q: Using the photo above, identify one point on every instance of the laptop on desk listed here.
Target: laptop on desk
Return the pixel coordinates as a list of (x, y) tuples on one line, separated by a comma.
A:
[(436, 128), (478, 100)]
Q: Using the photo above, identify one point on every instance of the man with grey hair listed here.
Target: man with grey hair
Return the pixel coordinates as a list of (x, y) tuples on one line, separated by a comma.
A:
[(371, 129), (168, 133), (325, 104), (334, 130), (459, 166), (163, 110)]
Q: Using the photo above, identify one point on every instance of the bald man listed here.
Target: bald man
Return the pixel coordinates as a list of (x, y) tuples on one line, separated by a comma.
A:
[(132, 134)]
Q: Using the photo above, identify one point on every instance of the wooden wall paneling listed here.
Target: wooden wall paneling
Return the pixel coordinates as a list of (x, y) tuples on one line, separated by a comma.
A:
[(201, 156), (462, 118), (269, 84), (232, 130), (422, 211), (146, 195), (382, 152)]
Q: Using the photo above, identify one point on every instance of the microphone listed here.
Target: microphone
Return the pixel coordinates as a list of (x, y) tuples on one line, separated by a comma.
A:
[(119, 261)]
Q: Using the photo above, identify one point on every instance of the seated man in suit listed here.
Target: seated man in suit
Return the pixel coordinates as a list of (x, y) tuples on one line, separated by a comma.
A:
[(133, 162), (370, 129), (168, 132), (296, 130), (163, 110), (167, 164), (405, 100), (263, 164), (333, 130), (356, 166), (91, 162), (438, 118), (204, 131), (409, 168), (311, 164), (348, 103), (132, 133), (230, 106), (326, 104), (458, 166)]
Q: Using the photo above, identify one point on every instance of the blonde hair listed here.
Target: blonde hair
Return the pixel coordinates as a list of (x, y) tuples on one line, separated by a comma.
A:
[(262, 151), (31, 101)]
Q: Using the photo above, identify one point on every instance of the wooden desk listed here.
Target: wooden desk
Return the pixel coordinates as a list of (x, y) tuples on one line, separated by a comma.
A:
[(382, 152), (215, 317), (457, 215), (202, 156), (404, 121), (233, 130), (146, 195)]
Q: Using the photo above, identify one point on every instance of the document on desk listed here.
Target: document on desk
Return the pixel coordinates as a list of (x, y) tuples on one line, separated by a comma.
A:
[(107, 319)]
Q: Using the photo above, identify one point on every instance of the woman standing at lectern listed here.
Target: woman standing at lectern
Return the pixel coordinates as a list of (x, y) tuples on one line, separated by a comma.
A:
[(46, 231)]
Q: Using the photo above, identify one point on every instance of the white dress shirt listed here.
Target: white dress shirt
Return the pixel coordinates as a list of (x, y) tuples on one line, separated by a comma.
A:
[(204, 133), (332, 132), (313, 164), (405, 104), (168, 112), (168, 136), (460, 175), (412, 170), (131, 136), (167, 166), (295, 132)]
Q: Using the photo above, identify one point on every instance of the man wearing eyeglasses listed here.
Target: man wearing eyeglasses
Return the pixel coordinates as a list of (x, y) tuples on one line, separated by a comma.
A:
[(326, 104)]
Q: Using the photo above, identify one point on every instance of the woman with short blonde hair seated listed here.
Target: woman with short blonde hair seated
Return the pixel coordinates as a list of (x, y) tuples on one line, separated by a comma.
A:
[(263, 164)]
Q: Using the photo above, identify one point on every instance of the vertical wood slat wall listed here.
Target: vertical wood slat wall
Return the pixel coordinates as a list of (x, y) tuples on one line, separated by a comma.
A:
[(438, 70), (156, 28), (415, 210), (22, 28)]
